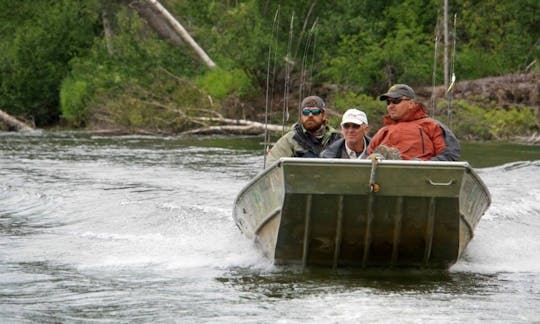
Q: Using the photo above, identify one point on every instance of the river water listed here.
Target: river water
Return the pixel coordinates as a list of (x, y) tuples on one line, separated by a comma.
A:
[(132, 229)]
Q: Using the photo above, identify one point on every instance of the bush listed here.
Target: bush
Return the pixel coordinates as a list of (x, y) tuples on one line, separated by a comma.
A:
[(137, 60), (503, 123), (219, 83), (74, 97), (37, 55), (473, 122)]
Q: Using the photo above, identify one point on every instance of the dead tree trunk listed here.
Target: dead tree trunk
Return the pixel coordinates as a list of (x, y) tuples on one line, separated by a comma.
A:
[(159, 25), (167, 26), (183, 33), (234, 126), (13, 124)]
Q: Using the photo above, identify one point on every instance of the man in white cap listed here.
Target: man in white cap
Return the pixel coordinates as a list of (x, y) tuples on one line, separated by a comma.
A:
[(353, 145)]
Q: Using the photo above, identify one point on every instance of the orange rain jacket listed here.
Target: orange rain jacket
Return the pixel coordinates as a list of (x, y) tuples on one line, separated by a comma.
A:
[(417, 136)]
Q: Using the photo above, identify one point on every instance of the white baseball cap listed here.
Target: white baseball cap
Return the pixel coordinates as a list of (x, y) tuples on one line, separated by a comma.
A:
[(354, 116)]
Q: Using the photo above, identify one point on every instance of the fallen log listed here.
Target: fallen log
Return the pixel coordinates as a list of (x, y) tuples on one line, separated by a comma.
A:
[(233, 127), (533, 139), (14, 124)]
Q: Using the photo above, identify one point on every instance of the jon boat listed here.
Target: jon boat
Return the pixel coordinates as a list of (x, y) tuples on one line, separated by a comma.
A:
[(342, 213)]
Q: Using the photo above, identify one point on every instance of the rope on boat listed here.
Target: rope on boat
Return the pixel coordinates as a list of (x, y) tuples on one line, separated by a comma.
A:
[(374, 188), (373, 185)]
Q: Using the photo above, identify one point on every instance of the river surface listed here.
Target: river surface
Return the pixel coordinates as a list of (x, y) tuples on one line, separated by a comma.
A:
[(133, 229)]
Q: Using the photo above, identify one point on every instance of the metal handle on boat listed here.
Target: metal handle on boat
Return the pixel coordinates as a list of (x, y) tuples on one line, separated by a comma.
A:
[(433, 183), (374, 186)]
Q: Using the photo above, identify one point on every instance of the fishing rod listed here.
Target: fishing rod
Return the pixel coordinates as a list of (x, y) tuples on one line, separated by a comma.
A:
[(434, 73), (288, 63), (314, 30), (303, 75), (449, 91), (267, 97)]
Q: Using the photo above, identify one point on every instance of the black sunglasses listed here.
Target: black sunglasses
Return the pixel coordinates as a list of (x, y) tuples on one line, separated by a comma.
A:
[(395, 101), (314, 112), (348, 125)]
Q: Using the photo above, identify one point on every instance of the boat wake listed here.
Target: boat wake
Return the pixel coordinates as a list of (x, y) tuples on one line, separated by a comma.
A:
[(506, 239), (97, 212)]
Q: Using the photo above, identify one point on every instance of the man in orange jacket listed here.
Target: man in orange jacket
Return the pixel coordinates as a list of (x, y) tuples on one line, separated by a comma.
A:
[(409, 129)]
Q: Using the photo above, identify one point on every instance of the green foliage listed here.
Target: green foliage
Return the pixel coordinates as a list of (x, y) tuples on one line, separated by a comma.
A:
[(74, 100), (133, 108), (220, 83), (464, 119), (496, 37), (504, 123), (377, 53), (55, 61), (137, 59), (36, 57), (469, 121)]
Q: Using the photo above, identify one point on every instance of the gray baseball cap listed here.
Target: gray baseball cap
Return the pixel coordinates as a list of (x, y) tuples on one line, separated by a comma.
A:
[(397, 91), (313, 101)]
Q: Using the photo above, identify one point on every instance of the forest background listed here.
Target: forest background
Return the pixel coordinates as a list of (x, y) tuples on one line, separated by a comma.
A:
[(99, 65)]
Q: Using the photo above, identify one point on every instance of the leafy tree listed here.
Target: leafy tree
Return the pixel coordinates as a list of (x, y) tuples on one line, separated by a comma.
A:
[(496, 37), (138, 57), (49, 35), (55, 53)]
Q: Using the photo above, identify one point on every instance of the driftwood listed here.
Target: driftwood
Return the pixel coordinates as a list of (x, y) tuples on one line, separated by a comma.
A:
[(13, 124), (233, 127), (533, 139)]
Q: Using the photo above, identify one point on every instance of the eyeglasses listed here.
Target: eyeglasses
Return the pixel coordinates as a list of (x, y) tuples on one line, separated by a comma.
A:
[(314, 112), (348, 125), (395, 101)]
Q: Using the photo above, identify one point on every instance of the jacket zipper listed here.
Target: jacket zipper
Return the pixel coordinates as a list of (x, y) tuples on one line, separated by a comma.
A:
[(422, 138)]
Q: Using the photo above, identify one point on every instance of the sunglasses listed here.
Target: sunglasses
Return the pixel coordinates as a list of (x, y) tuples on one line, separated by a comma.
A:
[(314, 112), (395, 101), (347, 126)]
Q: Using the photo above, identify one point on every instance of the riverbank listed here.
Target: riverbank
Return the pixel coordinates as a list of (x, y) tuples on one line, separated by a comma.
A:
[(503, 109)]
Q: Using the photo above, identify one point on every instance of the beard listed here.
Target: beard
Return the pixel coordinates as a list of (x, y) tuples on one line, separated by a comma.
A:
[(312, 125)]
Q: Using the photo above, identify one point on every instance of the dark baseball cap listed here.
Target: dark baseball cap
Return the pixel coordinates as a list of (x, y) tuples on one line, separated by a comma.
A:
[(398, 91), (313, 101)]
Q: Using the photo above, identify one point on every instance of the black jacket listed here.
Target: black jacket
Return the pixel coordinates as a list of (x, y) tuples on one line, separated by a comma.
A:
[(337, 149)]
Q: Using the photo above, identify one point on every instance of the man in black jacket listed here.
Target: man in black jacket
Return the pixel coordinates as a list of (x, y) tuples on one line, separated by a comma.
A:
[(309, 136), (353, 145)]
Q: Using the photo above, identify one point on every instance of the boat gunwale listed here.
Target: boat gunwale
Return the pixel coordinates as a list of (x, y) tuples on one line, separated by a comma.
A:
[(259, 176), (314, 161)]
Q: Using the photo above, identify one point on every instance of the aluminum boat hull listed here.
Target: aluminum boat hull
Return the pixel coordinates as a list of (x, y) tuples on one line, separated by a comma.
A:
[(328, 213)]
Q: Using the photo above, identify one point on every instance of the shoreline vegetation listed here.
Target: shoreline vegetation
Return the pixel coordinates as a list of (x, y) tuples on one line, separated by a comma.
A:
[(206, 67), (506, 92), (235, 128)]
